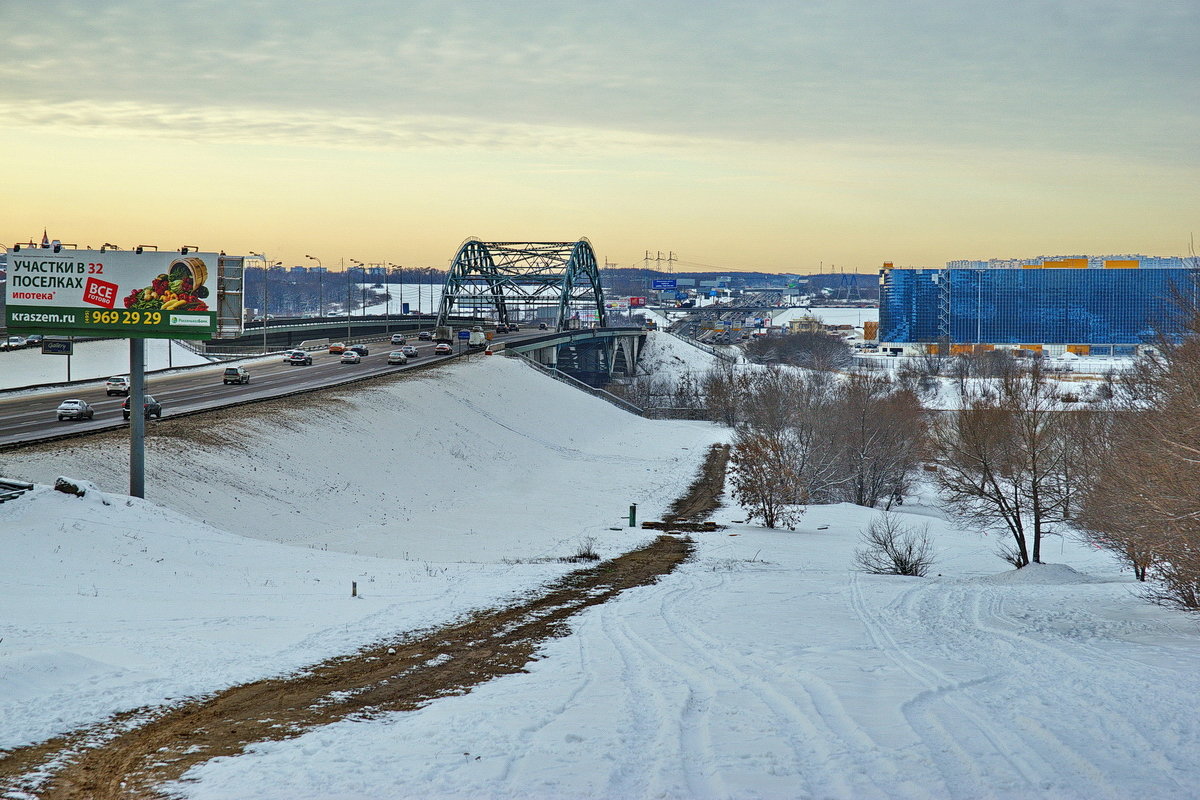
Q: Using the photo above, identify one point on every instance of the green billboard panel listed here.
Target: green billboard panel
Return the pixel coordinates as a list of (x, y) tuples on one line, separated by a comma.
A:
[(115, 293)]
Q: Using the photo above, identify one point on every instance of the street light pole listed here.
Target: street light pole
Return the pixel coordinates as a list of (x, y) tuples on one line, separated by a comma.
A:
[(321, 285), (266, 277)]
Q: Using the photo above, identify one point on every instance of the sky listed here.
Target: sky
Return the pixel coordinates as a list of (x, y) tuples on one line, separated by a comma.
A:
[(780, 136)]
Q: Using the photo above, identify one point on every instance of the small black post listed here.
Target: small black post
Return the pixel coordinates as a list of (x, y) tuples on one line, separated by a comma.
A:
[(354, 588), (633, 515)]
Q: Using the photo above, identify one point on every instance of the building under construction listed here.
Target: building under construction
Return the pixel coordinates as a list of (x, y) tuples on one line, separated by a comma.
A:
[(1104, 306)]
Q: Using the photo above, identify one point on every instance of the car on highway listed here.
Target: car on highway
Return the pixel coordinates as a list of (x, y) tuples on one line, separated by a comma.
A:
[(288, 353), (75, 409), (397, 357), (351, 357), (361, 349), (150, 406), (337, 347), (34, 340), (117, 384), (298, 357), (398, 338), (410, 351), (425, 336), (235, 375), (13, 343), (442, 349), (541, 326)]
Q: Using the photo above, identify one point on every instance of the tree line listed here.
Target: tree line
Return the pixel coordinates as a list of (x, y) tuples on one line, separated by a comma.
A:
[(1020, 456)]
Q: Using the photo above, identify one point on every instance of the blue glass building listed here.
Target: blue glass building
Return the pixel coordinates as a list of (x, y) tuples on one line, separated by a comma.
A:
[(1106, 310)]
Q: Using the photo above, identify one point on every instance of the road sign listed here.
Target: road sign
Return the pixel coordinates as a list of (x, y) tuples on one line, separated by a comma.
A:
[(57, 347), (669, 283), (123, 293), (464, 334)]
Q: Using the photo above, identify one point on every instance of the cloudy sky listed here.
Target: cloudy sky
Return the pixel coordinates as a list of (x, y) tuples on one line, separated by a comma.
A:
[(754, 135)]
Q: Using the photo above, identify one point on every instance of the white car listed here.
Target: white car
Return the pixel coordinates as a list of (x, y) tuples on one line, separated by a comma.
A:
[(351, 357), (118, 384), (398, 338), (13, 343)]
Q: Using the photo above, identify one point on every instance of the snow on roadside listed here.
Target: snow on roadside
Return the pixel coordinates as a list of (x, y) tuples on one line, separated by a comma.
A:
[(92, 360)]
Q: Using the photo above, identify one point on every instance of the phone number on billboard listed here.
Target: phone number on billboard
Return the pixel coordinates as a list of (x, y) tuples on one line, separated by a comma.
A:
[(123, 317)]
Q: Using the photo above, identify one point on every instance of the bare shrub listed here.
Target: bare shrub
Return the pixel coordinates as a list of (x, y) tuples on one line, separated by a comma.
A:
[(893, 548), (586, 550)]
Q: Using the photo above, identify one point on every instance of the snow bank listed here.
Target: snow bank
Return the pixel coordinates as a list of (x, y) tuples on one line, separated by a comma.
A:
[(97, 359), (1041, 575), (669, 358)]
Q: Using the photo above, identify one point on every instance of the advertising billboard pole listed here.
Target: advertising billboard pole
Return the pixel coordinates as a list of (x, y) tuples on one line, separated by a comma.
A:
[(137, 417)]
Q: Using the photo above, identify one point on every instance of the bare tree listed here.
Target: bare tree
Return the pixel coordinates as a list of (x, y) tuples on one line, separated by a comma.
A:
[(1002, 459), (892, 548), (763, 477), (881, 428), (1143, 503)]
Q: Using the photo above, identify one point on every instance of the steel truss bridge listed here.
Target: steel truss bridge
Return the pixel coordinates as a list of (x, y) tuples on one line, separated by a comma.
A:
[(553, 282)]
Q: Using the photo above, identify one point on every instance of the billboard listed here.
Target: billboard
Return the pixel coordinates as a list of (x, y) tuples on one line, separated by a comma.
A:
[(668, 283), (119, 293), (634, 302)]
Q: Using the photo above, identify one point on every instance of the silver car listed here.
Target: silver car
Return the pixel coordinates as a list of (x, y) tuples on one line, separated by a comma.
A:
[(75, 409)]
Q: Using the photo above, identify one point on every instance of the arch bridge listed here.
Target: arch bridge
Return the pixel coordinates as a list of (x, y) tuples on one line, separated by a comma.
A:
[(525, 282)]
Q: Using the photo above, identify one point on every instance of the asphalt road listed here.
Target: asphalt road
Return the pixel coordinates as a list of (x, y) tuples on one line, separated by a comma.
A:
[(27, 417)]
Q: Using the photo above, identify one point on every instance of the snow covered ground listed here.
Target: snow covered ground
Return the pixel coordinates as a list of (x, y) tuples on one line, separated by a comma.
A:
[(666, 357), (764, 668), (829, 316)]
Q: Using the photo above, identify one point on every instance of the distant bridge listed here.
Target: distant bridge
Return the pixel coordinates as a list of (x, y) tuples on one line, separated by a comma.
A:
[(521, 281)]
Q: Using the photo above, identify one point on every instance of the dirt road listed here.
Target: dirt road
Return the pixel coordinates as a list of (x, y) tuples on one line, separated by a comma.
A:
[(130, 755)]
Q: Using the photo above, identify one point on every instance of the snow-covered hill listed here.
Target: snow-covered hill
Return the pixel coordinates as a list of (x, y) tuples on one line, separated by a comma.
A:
[(766, 667)]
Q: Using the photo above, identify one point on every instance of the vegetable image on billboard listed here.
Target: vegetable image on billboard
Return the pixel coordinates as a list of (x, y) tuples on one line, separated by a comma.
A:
[(121, 293)]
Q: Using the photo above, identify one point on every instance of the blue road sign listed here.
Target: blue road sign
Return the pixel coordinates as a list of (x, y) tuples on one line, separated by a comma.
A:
[(668, 283), (464, 334), (57, 347)]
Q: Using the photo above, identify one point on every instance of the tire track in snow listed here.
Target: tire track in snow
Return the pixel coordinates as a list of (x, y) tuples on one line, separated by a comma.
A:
[(649, 742), (953, 727), (1044, 663), (830, 748)]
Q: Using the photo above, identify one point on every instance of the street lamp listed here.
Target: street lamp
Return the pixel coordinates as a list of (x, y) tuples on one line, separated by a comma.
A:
[(353, 261), (400, 269), (320, 284), (266, 276)]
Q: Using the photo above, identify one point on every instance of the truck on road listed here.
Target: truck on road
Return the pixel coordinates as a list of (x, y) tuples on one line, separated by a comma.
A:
[(443, 334), (478, 339)]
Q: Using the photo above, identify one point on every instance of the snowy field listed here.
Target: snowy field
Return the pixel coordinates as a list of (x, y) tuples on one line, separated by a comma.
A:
[(828, 316), (764, 668)]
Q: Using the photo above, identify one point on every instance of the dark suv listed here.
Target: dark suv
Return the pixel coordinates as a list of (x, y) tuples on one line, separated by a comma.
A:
[(152, 407)]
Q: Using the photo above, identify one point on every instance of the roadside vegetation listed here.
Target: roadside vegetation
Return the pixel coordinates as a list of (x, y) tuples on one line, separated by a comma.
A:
[(1022, 455)]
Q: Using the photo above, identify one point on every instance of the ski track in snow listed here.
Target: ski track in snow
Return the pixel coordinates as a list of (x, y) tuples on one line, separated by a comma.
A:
[(1059, 752)]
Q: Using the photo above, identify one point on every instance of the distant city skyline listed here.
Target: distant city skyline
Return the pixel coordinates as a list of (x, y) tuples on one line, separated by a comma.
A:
[(775, 136)]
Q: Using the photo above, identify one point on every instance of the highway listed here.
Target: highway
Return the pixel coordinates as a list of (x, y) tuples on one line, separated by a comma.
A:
[(30, 416)]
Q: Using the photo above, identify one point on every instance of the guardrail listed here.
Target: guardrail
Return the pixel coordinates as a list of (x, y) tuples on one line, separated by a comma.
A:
[(708, 348), (11, 490)]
